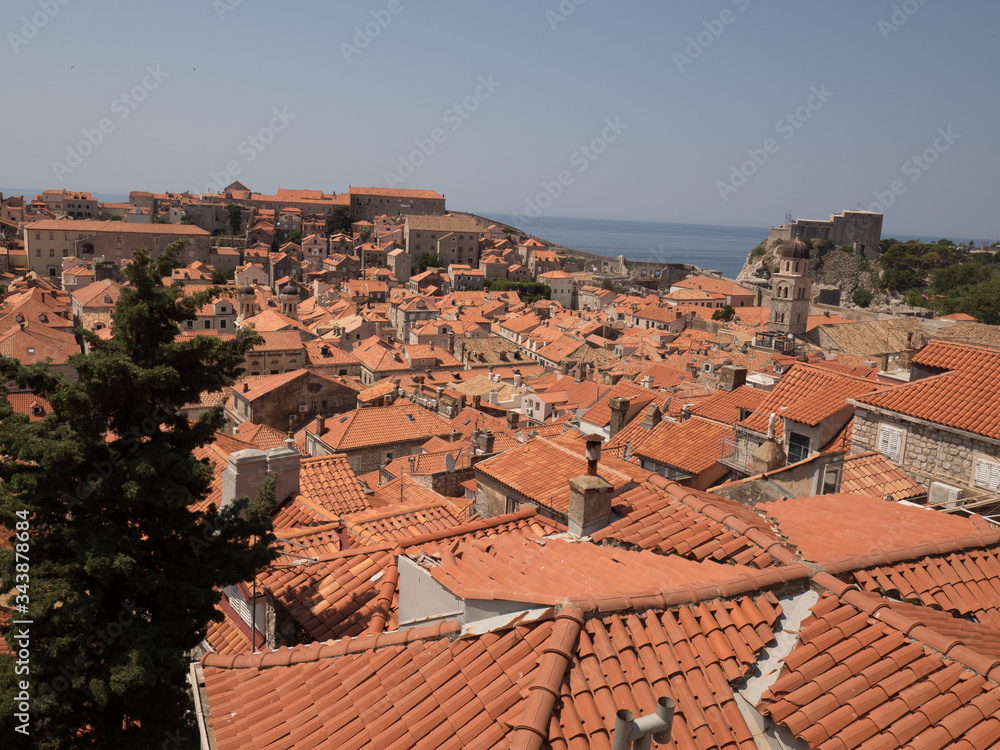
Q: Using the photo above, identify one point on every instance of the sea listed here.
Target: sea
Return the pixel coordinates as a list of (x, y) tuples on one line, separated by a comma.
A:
[(709, 247)]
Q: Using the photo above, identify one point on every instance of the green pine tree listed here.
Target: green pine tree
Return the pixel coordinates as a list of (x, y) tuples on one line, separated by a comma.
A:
[(123, 576)]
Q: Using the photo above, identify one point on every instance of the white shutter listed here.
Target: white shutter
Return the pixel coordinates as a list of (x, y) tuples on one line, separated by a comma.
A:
[(987, 474), (890, 440)]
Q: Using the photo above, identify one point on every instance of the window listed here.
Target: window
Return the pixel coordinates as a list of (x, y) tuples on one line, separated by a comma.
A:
[(222, 323), (890, 441), (831, 480), (987, 474), (798, 447)]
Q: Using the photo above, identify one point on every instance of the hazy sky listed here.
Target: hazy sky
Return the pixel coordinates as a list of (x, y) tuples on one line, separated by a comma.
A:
[(726, 112)]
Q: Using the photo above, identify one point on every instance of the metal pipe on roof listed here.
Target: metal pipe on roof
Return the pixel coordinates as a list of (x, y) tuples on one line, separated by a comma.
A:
[(637, 734)]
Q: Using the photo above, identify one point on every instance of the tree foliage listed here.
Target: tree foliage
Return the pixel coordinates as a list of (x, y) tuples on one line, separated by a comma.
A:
[(124, 576), (528, 291), (724, 313), (862, 297), (235, 214), (427, 260), (338, 221)]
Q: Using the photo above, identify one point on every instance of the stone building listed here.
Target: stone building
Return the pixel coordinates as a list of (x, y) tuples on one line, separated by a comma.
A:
[(368, 203), (791, 289), (373, 436), (287, 401), (862, 230), (940, 428), (47, 242)]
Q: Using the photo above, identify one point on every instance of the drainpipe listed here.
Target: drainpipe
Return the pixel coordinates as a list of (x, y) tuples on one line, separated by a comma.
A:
[(638, 734)]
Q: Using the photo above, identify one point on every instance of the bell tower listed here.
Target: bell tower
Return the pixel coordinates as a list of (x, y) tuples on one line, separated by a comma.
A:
[(791, 290)]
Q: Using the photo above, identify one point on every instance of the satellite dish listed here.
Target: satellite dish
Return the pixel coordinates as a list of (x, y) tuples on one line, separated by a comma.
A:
[(449, 462)]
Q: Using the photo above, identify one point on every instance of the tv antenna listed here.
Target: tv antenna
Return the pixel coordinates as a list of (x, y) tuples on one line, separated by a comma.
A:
[(788, 217)]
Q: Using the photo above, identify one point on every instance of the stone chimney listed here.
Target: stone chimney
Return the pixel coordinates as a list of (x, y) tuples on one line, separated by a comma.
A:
[(652, 417), (512, 417), (647, 382), (564, 367), (320, 426), (589, 495), (244, 474), (486, 442), (768, 455), (732, 377), (619, 415), (287, 464)]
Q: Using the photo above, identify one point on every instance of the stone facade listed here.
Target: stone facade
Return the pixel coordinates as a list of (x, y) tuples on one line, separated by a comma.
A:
[(862, 230), (927, 453)]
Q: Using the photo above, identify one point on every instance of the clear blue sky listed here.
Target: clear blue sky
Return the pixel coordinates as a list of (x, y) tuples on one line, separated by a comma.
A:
[(555, 81)]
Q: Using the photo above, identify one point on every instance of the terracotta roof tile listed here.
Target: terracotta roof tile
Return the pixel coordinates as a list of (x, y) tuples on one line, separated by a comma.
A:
[(672, 519), (382, 425), (503, 570), (853, 681), (966, 397), (726, 406), (966, 583), (540, 470), (831, 527), (873, 474), (555, 682), (692, 446)]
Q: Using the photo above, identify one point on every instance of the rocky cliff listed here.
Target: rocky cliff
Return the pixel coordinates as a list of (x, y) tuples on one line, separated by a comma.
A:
[(829, 265)]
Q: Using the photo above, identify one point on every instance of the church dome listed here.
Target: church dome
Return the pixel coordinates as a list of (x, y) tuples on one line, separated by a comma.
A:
[(246, 290), (795, 250), (289, 290)]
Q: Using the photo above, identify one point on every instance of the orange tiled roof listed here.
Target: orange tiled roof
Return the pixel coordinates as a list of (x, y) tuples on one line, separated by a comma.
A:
[(725, 406), (692, 446), (830, 527), (668, 518), (864, 674), (232, 634), (25, 402), (383, 425), (808, 395), (540, 470), (873, 474), (600, 413), (965, 582), (966, 397), (557, 681), (504, 570)]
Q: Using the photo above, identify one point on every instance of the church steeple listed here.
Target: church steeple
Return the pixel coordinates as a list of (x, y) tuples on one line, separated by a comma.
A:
[(791, 290)]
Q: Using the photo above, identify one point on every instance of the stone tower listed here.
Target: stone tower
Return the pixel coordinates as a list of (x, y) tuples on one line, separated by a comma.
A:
[(791, 290), (288, 296), (245, 300)]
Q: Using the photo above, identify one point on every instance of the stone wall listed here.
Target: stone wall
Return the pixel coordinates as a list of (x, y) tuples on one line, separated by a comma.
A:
[(927, 453)]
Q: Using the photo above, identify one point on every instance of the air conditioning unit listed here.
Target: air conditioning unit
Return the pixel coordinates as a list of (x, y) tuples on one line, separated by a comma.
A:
[(303, 408), (944, 495)]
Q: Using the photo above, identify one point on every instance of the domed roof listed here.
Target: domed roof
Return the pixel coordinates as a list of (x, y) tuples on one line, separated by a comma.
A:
[(290, 290), (795, 250), (246, 290)]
